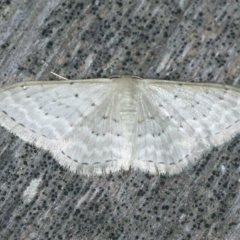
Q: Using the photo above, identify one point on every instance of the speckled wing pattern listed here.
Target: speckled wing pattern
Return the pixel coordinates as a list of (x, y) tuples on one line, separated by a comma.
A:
[(177, 122), (75, 120), (80, 121)]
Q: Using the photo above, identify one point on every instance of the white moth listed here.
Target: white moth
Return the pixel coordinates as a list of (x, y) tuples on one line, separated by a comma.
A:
[(104, 125)]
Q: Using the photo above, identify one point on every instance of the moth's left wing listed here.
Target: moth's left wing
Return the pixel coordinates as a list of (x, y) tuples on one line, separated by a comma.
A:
[(77, 121)]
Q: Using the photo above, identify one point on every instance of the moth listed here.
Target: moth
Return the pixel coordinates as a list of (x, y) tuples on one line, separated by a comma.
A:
[(98, 126)]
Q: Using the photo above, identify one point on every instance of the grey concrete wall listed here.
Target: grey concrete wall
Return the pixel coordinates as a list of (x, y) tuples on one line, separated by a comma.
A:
[(178, 40)]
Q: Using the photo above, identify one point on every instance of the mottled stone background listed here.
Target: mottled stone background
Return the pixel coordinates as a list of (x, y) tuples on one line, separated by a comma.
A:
[(178, 39)]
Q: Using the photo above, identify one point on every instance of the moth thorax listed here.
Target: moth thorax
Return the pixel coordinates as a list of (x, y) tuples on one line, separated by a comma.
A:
[(127, 96)]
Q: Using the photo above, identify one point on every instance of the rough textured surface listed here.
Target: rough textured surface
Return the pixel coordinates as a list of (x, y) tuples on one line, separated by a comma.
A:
[(195, 40)]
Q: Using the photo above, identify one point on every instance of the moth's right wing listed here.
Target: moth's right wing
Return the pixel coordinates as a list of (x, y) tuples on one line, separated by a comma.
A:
[(178, 121)]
